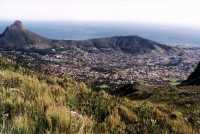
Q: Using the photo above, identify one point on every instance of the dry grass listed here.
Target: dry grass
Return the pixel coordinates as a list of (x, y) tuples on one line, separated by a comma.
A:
[(33, 103)]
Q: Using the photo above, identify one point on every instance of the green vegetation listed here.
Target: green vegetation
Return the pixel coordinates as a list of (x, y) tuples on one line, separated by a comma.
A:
[(34, 103)]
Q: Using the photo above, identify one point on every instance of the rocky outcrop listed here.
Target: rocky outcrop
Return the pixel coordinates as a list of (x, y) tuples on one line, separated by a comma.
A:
[(194, 78)]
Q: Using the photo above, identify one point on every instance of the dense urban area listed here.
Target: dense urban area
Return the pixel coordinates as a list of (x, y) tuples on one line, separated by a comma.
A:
[(114, 68)]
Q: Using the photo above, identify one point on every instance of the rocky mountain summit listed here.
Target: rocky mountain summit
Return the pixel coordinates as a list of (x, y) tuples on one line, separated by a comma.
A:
[(16, 36), (17, 25)]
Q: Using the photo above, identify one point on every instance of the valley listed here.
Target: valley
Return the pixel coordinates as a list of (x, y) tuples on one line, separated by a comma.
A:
[(113, 85), (113, 68), (113, 60)]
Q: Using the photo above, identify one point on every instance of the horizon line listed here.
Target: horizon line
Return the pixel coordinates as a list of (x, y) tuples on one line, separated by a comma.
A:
[(24, 21)]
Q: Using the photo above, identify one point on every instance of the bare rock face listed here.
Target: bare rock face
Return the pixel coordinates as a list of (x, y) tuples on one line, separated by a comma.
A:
[(17, 25)]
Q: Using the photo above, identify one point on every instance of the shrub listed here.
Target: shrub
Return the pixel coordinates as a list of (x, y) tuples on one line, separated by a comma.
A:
[(58, 119)]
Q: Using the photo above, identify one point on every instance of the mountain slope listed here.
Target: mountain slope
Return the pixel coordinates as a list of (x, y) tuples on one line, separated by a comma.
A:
[(194, 78), (17, 37), (37, 103), (127, 44)]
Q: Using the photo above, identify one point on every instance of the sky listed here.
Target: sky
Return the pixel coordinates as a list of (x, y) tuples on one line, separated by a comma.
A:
[(175, 12)]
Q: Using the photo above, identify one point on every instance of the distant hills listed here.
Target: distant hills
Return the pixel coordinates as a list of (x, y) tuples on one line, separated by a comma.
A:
[(165, 34), (127, 44), (16, 36)]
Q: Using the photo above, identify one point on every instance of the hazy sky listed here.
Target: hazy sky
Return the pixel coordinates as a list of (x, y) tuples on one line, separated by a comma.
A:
[(177, 12)]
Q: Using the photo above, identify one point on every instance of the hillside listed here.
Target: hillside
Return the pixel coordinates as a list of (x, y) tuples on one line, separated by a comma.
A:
[(134, 45), (16, 36), (194, 78), (37, 103)]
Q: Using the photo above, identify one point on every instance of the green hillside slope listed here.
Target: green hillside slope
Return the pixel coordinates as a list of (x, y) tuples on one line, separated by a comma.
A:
[(33, 103)]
